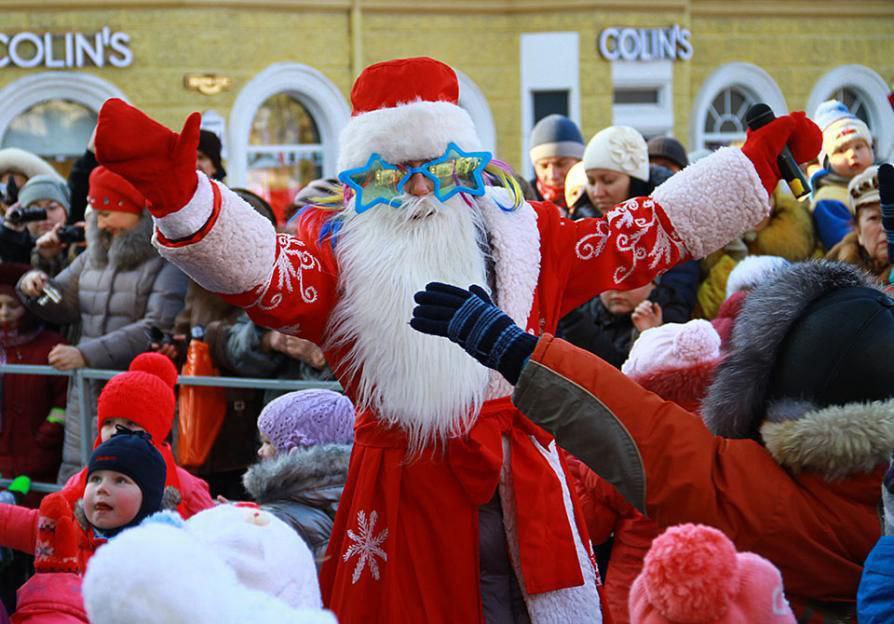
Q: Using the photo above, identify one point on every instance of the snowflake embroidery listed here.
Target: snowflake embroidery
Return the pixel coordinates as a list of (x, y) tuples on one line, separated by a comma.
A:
[(292, 259), (43, 549), (367, 545)]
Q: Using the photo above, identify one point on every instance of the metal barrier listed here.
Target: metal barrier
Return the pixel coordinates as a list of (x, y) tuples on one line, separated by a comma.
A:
[(79, 376)]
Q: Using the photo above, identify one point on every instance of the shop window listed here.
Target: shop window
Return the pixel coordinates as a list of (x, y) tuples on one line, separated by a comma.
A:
[(725, 121), (284, 151), (56, 130)]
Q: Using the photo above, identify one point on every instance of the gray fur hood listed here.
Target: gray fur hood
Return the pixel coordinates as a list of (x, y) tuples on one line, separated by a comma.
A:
[(127, 250), (313, 475), (736, 403)]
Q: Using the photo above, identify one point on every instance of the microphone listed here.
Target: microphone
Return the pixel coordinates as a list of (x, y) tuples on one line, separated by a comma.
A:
[(759, 115)]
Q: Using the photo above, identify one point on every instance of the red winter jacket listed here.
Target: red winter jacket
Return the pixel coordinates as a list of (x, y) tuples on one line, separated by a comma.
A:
[(606, 513), (50, 598), (817, 531), (29, 444)]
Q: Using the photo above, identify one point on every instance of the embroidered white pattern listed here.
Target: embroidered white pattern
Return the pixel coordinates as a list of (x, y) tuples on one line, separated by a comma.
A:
[(43, 549), (367, 545), (632, 220), (292, 259)]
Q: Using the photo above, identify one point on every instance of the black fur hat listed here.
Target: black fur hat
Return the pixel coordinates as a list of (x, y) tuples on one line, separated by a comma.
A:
[(818, 334)]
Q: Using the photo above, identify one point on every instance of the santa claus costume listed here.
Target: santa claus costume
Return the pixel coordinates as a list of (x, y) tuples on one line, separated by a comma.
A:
[(440, 453)]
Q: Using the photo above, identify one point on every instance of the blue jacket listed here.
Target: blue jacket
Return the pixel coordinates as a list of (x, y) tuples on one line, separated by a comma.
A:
[(875, 597)]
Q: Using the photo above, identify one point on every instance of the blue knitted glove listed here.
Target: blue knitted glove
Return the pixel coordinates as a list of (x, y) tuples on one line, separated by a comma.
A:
[(471, 320), (886, 196)]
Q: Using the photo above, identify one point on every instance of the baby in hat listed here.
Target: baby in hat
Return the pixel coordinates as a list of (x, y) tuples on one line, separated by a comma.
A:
[(847, 152), (125, 484)]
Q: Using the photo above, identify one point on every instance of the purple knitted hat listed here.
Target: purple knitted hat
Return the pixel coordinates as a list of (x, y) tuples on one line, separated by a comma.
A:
[(307, 418)]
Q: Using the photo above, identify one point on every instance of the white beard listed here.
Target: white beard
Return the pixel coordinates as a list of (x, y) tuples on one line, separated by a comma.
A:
[(424, 384)]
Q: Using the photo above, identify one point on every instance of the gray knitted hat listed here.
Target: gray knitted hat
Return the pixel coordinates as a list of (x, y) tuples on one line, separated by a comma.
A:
[(670, 148), (556, 136), (45, 186), (307, 418)]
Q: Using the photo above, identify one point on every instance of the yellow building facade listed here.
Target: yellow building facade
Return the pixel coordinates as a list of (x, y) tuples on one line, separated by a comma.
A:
[(273, 77)]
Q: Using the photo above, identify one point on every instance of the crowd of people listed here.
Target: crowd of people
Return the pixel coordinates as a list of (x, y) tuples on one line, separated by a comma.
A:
[(700, 399)]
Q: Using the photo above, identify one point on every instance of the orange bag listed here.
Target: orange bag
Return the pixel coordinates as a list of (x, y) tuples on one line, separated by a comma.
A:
[(202, 409)]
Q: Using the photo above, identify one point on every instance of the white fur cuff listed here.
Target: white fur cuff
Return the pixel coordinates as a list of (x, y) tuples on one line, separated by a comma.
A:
[(189, 219), (415, 131), (237, 253), (714, 200)]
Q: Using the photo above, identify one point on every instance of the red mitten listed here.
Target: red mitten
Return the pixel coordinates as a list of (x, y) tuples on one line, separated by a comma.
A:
[(58, 536), (762, 146), (160, 163)]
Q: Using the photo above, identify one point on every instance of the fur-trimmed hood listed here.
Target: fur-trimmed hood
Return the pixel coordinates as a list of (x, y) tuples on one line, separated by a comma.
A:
[(311, 475), (127, 251), (835, 441), (736, 402)]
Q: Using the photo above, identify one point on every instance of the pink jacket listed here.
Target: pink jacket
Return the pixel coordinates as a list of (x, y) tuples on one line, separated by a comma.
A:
[(50, 598)]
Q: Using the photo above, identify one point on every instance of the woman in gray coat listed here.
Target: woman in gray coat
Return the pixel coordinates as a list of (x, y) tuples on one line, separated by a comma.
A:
[(117, 289)]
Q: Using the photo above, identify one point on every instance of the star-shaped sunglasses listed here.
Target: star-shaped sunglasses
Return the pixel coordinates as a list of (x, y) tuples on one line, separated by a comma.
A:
[(380, 182)]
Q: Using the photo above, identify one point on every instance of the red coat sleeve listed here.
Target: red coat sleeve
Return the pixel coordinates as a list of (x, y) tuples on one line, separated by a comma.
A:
[(18, 528), (283, 282)]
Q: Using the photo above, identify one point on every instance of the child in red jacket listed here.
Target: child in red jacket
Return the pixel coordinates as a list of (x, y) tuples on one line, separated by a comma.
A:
[(31, 406), (142, 399)]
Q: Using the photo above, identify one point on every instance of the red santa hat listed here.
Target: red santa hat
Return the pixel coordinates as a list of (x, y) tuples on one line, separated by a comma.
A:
[(109, 191), (404, 110)]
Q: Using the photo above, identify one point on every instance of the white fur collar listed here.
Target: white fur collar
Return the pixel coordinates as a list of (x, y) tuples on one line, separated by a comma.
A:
[(836, 441), (515, 247)]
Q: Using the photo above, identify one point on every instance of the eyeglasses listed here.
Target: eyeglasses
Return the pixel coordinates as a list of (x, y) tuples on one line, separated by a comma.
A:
[(380, 182)]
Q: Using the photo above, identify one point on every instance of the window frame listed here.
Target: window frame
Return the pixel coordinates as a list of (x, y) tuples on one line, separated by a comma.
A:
[(751, 79)]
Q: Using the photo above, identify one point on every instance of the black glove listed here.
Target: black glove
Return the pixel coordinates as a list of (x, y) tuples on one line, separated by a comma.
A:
[(886, 197), (471, 320)]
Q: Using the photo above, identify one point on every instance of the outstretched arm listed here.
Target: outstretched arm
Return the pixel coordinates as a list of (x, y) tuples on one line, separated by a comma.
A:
[(694, 213), (287, 283)]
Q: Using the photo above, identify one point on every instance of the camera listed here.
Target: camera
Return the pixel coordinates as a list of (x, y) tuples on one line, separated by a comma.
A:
[(156, 335), (71, 234), (26, 215)]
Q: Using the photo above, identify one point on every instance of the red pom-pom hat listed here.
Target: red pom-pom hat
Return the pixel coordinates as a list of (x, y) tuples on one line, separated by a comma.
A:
[(405, 110)]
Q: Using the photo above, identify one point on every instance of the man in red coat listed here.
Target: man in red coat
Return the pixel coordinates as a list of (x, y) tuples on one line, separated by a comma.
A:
[(455, 508)]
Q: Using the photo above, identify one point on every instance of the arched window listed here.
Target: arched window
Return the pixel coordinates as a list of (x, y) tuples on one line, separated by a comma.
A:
[(284, 151), (865, 93), (472, 99), (284, 129), (719, 111), (52, 114), (725, 118)]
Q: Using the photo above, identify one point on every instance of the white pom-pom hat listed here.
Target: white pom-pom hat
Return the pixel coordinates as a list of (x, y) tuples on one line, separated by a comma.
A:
[(671, 346)]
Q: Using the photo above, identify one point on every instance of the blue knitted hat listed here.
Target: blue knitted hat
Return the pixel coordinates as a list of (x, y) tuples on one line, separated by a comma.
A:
[(556, 136)]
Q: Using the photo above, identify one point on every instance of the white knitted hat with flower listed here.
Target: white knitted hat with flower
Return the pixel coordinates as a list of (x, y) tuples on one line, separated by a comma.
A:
[(621, 149)]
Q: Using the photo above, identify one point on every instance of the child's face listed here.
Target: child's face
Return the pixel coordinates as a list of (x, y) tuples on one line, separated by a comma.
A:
[(851, 158), (621, 302), (267, 450), (11, 312), (111, 499), (109, 424)]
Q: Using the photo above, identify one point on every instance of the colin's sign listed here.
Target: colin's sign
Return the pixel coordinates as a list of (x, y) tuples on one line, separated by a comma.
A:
[(63, 50), (646, 44)]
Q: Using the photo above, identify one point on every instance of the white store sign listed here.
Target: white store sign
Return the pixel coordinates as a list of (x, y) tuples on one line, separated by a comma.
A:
[(65, 50), (646, 44)]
